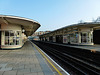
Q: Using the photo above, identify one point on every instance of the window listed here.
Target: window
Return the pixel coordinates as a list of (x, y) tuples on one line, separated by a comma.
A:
[(12, 33), (11, 42), (12, 37), (6, 33), (76, 37), (83, 37), (6, 37), (6, 41)]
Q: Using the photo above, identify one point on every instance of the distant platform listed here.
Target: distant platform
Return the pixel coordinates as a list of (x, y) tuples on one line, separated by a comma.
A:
[(94, 48)]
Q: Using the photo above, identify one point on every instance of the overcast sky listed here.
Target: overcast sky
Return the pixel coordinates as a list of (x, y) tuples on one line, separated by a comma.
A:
[(52, 14)]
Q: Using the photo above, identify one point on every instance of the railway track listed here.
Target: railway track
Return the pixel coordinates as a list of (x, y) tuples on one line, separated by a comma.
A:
[(67, 57)]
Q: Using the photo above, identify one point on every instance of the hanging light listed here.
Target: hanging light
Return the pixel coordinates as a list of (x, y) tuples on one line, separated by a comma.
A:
[(23, 30)]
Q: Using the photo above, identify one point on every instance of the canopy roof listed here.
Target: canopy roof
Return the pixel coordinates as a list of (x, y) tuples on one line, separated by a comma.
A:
[(94, 25), (29, 25)]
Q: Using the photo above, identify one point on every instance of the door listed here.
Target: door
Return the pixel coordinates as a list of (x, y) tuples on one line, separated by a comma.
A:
[(96, 36), (84, 37)]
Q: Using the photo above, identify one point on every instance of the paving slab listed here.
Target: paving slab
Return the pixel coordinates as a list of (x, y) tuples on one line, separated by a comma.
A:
[(24, 61)]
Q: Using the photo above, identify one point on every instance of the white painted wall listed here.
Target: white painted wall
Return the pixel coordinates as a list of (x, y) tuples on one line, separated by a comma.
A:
[(71, 37), (11, 27), (85, 29), (89, 37), (5, 27)]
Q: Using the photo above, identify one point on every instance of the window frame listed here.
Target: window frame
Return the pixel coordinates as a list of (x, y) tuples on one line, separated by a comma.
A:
[(11, 38)]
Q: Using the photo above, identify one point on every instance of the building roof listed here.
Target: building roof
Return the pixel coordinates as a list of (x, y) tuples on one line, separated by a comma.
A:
[(29, 25), (94, 25)]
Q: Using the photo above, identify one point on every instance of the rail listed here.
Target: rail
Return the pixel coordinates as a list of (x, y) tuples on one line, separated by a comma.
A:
[(77, 60)]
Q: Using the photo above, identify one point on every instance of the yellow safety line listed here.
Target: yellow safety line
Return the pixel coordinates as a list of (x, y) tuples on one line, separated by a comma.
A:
[(47, 59)]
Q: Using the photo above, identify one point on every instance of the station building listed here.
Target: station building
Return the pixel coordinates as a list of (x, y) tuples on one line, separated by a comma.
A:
[(35, 35), (87, 33), (14, 30), (40, 33)]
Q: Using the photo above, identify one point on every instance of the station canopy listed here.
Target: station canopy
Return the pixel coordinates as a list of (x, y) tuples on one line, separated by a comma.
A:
[(29, 25)]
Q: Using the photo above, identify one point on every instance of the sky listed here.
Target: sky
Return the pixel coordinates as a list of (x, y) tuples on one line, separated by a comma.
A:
[(52, 14)]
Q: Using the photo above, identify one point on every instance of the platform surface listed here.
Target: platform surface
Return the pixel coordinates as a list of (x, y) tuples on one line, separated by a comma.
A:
[(91, 47), (24, 61)]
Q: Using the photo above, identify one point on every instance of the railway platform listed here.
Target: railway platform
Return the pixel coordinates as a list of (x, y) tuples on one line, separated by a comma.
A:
[(92, 48), (26, 61)]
